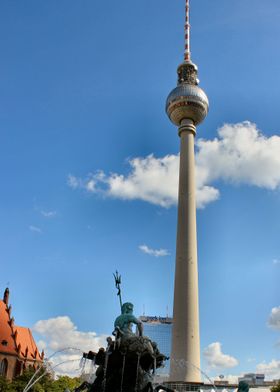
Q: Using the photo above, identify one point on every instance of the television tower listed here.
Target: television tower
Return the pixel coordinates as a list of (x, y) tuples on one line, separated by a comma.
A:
[(186, 106)]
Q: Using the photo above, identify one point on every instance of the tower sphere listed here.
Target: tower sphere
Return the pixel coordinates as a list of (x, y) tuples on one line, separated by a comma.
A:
[(187, 100)]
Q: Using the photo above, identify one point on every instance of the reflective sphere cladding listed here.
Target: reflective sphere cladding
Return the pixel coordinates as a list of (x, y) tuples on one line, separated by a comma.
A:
[(187, 101)]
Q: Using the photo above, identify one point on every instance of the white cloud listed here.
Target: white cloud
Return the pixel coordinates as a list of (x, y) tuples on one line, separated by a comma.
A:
[(60, 332), (89, 183), (239, 155), (151, 179), (35, 229), (62, 336), (274, 318), (73, 182), (216, 359), (154, 252), (271, 369), (48, 214)]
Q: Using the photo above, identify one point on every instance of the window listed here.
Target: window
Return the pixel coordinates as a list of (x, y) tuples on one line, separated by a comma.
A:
[(3, 367)]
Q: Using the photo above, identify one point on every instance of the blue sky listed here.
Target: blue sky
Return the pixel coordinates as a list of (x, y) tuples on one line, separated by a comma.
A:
[(88, 163)]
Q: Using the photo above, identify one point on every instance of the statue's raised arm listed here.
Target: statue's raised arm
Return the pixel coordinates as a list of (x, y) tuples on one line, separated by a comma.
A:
[(124, 322)]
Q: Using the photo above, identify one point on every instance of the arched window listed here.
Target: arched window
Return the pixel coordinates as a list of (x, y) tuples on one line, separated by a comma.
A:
[(3, 367), (17, 370)]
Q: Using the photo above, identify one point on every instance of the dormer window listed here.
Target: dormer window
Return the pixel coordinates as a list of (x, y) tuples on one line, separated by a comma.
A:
[(4, 343)]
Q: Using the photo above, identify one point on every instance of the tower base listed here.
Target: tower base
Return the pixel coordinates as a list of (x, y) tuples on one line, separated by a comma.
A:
[(197, 386), (184, 386)]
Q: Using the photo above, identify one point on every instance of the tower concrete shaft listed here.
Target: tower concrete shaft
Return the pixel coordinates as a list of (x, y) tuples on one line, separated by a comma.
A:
[(185, 354), (187, 106)]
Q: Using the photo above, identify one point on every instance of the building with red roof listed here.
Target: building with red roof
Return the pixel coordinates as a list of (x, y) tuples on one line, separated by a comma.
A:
[(18, 350)]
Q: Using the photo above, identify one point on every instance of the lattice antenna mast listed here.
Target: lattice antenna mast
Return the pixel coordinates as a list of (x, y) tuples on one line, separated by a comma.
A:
[(187, 54)]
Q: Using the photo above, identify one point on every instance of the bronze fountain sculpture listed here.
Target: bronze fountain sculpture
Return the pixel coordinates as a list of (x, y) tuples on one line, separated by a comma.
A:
[(130, 359)]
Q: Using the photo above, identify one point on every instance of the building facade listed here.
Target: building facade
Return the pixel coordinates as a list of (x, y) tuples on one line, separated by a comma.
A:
[(257, 380), (252, 378), (159, 330), (18, 350)]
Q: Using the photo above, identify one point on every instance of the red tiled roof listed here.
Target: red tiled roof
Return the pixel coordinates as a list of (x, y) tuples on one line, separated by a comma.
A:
[(7, 342), (16, 340), (28, 348)]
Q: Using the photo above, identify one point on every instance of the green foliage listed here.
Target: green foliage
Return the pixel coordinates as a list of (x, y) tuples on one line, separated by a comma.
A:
[(3, 384), (20, 382), (64, 382), (45, 384), (276, 388)]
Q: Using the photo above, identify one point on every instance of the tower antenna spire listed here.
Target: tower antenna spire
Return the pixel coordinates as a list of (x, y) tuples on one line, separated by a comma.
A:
[(187, 54)]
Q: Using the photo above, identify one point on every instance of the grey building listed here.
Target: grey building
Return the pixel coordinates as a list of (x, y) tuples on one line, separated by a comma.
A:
[(253, 379), (159, 329)]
